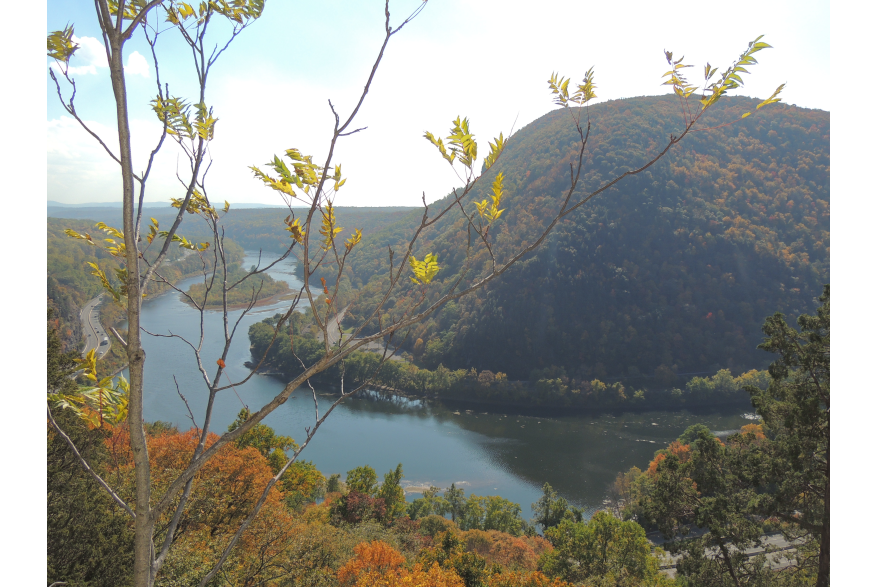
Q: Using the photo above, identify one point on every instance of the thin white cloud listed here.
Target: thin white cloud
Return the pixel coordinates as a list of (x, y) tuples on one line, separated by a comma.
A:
[(80, 170), (91, 57), (137, 65), (267, 107)]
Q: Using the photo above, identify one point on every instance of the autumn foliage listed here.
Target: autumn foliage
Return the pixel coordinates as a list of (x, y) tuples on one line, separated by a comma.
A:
[(356, 507), (371, 558), (513, 552), (436, 576), (223, 494), (524, 579), (672, 268), (682, 451)]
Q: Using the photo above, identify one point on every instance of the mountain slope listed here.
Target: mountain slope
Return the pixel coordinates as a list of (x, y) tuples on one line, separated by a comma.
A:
[(670, 271)]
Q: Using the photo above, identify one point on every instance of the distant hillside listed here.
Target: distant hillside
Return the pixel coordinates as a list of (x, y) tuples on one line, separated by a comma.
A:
[(54, 204), (672, 270), (70, 283), (252, 228)]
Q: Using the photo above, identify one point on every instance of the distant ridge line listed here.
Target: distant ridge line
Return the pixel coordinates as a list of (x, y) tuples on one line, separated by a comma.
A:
[(240, 206)]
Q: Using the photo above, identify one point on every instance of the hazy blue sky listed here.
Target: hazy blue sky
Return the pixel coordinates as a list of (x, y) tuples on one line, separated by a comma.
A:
[(487, 60)]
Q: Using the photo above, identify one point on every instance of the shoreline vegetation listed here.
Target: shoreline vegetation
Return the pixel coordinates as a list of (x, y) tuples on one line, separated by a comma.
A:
[(261, 300), (661, 399), (546, 388), (260, 285)]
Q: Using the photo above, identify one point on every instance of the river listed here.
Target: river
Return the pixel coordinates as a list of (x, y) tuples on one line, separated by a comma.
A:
[(487, 453)]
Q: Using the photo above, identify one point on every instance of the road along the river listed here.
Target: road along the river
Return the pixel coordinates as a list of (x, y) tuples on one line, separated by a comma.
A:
[(95, 334), (782, 556), (336, 334)]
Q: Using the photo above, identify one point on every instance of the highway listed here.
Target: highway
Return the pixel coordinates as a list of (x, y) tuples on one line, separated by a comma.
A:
[(91, 326), (334, 331), (95, 333), (336, 334), (778, 560)]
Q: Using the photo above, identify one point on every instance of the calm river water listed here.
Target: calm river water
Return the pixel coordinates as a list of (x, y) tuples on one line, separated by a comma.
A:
[(486, 453)]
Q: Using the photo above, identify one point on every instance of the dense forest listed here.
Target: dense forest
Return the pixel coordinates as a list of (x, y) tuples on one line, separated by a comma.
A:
[(284, 351), (670, 271)]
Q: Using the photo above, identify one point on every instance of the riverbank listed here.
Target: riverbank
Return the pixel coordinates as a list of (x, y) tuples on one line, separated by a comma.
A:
[(470, 405), (562, 410), (287, 294), (526, 397)]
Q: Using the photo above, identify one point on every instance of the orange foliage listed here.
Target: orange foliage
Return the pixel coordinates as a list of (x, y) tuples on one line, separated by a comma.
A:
[(682, 452), (436, 576), (223, 493), (750, 434), (371, 558), (514, 553), (504, 549), (653, 466), (755, 429), (534, 579)]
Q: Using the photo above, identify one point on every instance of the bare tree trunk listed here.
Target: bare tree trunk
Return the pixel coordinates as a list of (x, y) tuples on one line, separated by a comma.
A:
[(727, 558), (143, 523), (822, 577)]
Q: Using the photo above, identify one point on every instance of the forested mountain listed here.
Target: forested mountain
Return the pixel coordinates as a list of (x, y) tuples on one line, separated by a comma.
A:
[(670, 271)]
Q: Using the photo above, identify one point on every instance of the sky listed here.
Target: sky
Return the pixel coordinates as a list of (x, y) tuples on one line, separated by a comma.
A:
[(488, 61)]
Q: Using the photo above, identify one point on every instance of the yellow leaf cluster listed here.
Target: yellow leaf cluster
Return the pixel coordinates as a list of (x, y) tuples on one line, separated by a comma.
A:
[(240, 11), (496, 148), (729, 80), (153, 230), (117, 294), (584, 93), (463, 147), (353, 240), (424, 270), (328, 228), (60, 45), (106, 401), (131, 10), (304, 174), (489, 211), (180, 124), (198, 204), (295, 229)]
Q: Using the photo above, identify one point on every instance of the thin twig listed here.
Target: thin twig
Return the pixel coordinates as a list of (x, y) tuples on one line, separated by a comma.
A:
[(119, 501)]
